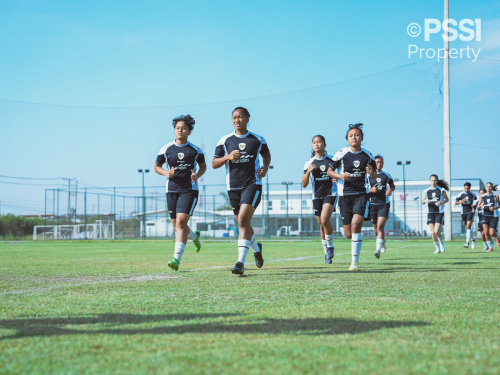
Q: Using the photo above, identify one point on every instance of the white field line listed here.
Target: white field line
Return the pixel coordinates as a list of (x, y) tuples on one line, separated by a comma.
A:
[(160, 277)]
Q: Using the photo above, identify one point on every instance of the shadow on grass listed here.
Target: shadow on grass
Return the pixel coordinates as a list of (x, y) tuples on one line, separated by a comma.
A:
[(45, 327)]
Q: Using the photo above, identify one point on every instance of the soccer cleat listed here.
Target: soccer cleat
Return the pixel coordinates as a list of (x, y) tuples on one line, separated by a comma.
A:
[(485, 248), (441, 247), (377, 254), (259, 261), (327, 261), (196, 241), (382, 250), (238, 268), (498, 241), (354, 267), (473, 245), (437, 251), (466, 246), (174, 264), (330, 253), (489, 250)]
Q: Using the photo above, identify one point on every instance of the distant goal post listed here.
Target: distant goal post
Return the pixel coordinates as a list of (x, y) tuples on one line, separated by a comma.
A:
[(100, 230)]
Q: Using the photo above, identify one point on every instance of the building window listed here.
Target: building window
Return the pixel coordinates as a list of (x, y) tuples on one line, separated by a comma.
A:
[(304, 205), (283, 205), (270, 205)]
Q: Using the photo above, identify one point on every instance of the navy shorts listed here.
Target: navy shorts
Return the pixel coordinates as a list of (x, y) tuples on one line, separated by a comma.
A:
[(467, 217), (435, 218), (250, 195), (491, 221), (379, 210), (354, 204), (319, 202), (182, 203)]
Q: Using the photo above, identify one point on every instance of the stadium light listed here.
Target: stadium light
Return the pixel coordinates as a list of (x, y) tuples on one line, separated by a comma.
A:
[(404, 190), (143, 203), (287, 222)]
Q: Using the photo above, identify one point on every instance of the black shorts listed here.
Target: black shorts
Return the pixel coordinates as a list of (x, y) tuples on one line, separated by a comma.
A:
[(435, 218), (182, 203), (379, 210), (250, 195), (491, 221), (319, 202), (467, 217), (354, 204)]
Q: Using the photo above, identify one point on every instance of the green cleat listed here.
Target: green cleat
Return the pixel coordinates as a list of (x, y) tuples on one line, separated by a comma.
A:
[(174, 264), (196, 242)]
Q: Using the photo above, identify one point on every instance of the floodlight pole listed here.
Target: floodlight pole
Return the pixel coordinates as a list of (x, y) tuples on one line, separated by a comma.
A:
[(287, 219), (446, 123), (143, 203), (404, 191)]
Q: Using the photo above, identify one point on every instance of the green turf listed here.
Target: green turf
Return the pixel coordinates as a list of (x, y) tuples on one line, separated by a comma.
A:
[(116, 308)]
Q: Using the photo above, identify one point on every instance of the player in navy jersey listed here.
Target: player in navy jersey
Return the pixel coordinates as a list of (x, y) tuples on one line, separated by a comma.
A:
[(490, 203), (353, 166), (185, 164), (435, 197), (239, 153), (480, 222), (380, 204), (466, 202), (324, 192)]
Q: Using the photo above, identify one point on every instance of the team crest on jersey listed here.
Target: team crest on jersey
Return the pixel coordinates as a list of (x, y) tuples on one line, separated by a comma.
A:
[(242, 146), (356, 163), (466, 199), (379, 179), (180, 155), (433, 195), (322, 168), (488, 200)]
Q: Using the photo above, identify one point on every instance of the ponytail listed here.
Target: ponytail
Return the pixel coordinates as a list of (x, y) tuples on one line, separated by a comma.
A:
[(494, 187), (441, 183)]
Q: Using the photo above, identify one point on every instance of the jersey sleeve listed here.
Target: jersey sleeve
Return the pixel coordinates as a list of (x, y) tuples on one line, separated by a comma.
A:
[(200, 158), (160, 159), (373, 163), (336, 161), (220, 152), (390, 180), (458, 198), (308, 163), (264, 149)]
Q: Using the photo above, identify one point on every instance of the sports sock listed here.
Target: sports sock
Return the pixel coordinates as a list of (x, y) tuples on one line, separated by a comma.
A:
[(325, 245), (440, 240), (356, 243), (468, 236), (485, 244), (380, 242), (253, 244), (436, 244), (329, 240), (490, 243), (243, 246), (191, 235), (179, 250)]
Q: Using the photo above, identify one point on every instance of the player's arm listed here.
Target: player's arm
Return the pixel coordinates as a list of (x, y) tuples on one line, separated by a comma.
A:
[(308, 168), (458, 200), (161, 171), (266, 162), (373, 189), (498, 203), (392, 187), (424, 199), (201, 171), (480, 203), (446, 199), (371, 168), (332, 174), (220, 157)]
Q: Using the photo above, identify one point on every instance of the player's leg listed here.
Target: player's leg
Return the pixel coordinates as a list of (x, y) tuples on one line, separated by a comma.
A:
[(434, 237), (317, 206), (251, 196), (493, 232), (244, 219), (172, 209), (483, 236), (361, 209), (487, 235), (437, 231), (374, 220), (326, 214), (381, 220), (186, 204)]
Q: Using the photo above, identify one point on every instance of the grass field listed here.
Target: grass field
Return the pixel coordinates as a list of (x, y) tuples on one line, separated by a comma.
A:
[(114, 307)]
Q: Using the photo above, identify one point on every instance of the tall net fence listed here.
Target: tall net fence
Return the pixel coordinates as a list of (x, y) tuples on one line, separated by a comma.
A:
[(52, 147)]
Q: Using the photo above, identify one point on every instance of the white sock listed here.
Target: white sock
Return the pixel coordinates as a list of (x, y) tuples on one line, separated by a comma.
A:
[(436, 244), (243, 246), (191, 235), (329, 240), (490, 243), (356, 243), (253, 244), (468, 235), (485, 244), (179, 250), (440, 240), (325, 245), (380, 242)]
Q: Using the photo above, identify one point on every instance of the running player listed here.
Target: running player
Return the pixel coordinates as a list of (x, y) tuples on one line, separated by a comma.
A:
[(353, 166), (435, 196), (324, 192), (380, 203), (480, 222), (185, 165), (490, 203), (466, 201), (239, 152)]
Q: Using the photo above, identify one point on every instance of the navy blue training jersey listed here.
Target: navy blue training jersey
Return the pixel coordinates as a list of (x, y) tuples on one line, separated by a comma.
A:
[(185, 158), (489, 200), (242, 172), (383, 179), (322, 185), (468, 205), (355, 164), (433, 195)]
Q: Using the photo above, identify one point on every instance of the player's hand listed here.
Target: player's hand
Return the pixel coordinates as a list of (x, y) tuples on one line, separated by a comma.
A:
[(311, 168), (346, 176), (234, 155), (261, 172), (388, 192), (171, 173), (438, 203), (194, 176), (491, 208), (335, 180)]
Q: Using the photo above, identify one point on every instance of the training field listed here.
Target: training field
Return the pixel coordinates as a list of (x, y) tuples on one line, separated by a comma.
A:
[(114, 307)]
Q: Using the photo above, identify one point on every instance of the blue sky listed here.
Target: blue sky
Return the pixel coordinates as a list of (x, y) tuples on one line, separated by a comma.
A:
[(174, 54)]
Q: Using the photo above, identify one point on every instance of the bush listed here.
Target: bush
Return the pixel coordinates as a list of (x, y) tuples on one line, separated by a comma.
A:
[(18, 226)]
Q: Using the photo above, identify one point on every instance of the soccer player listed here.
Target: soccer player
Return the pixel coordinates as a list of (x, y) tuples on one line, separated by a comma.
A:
[(490, 203), (480, 222), (435, 196), (352, 166), (324, 192), (466, 201), (239, 152), (380, 204), (185, 165)]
